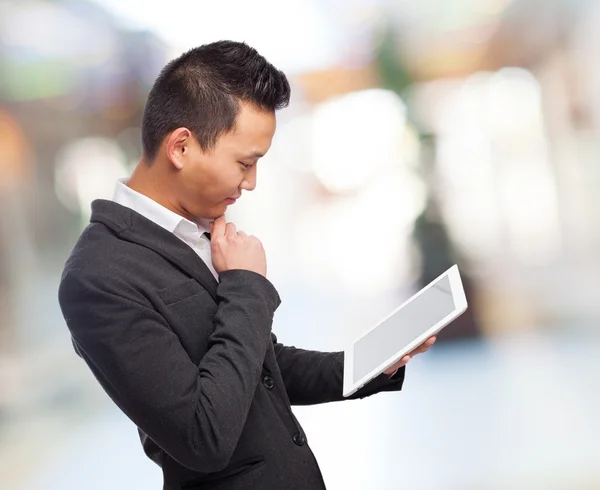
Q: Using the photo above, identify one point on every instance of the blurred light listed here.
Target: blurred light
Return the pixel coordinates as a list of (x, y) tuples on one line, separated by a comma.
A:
[(355, 136), (528, 192), (42, 80), (46, 49), (514, 103), (427, 16), (297, 134), (42, 30), (361, 243), (430, 102), (466, 168), (531, 213), (87, 169), (491, 7), (363, 151), (314, 40), (15, 153), (129, 141), (494, 158)]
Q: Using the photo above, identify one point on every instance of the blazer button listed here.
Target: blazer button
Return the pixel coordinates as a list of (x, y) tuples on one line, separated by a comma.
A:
[(299, 439), (268, 382)]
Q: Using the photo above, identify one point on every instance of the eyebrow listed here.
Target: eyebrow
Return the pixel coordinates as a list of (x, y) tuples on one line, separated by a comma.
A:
[(256, 154)]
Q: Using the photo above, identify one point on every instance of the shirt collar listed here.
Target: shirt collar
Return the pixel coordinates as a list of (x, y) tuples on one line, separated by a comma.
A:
[(155, 212)]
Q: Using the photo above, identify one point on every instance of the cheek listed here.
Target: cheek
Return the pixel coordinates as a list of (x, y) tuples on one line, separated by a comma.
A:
[(231, 178), (222, 184)]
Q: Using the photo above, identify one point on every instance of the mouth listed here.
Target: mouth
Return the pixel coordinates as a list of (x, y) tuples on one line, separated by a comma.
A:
[(231, 200)]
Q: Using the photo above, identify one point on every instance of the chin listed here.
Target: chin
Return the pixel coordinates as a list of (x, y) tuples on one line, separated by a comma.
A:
[(215, 212)]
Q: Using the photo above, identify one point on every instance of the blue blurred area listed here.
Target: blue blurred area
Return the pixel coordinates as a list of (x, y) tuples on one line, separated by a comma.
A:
[(420, 134)]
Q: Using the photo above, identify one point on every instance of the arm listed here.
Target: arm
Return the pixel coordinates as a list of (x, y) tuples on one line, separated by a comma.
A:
[(312, 377), (196, 413)]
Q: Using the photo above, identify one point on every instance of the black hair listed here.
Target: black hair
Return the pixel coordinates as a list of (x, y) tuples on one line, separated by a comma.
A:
[(202, 90)]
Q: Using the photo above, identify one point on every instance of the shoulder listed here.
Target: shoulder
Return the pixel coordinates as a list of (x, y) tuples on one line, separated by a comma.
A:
[(101, 259), (100, 250)]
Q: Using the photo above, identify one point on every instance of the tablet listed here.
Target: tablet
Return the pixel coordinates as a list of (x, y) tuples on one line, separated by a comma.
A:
[(404, 329)]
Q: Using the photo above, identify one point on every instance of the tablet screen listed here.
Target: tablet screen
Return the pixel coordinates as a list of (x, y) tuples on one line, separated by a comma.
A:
[(403, 327)]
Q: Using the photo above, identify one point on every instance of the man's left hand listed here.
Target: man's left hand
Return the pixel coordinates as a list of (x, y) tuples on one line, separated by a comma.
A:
[(402, 362)]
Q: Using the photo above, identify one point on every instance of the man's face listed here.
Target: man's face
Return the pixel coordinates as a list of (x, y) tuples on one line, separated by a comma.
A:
[(210, 181)]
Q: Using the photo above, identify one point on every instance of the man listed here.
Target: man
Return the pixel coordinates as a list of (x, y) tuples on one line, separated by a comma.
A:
[(169, 304)]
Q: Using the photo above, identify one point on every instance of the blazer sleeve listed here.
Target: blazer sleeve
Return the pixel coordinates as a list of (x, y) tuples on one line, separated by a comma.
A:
[(312, 377), (196, 413)]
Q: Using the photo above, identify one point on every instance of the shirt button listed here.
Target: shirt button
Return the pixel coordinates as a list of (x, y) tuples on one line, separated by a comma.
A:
[(268, 382), (299, 439)]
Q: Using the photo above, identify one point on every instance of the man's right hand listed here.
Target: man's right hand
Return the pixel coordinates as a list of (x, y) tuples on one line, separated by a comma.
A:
[(232, 249)]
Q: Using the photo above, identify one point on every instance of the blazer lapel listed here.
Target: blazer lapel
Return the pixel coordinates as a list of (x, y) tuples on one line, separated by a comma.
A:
[(133, 227)]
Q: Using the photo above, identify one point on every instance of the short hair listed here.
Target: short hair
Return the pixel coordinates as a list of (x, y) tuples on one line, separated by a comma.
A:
[(202, 90)]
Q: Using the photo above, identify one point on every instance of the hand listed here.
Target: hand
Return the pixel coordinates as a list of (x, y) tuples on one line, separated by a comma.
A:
[(402, 362), (232, 249)]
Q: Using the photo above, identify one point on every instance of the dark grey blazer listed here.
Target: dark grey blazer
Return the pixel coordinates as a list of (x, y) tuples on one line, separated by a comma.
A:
[(193, 362)]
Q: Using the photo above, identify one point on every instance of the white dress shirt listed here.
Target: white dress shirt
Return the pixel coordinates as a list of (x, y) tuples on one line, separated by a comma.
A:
[(190, 233)]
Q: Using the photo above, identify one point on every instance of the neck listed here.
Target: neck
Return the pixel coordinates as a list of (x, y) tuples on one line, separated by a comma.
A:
[(152, 182)]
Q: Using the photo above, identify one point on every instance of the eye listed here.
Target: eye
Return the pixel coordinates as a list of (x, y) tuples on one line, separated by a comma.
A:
[(245, 165)]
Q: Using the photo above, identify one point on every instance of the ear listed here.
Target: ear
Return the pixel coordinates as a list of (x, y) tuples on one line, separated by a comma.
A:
[(178, 146)]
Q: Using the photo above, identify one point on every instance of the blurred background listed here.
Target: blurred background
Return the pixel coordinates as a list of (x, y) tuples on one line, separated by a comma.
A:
[(420, 134)]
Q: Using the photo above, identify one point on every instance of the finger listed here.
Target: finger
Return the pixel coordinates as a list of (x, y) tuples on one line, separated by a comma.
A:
[(230, 229), (419, 350), (241, 233), (394, 367), (218, 227), (404, 360), (428, 343), (424, 346)]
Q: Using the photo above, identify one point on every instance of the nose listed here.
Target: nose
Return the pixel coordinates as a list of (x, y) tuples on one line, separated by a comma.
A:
[(249, 182)]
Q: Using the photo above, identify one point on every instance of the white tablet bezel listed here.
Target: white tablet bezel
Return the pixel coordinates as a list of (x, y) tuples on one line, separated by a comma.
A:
[(460, 305)]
